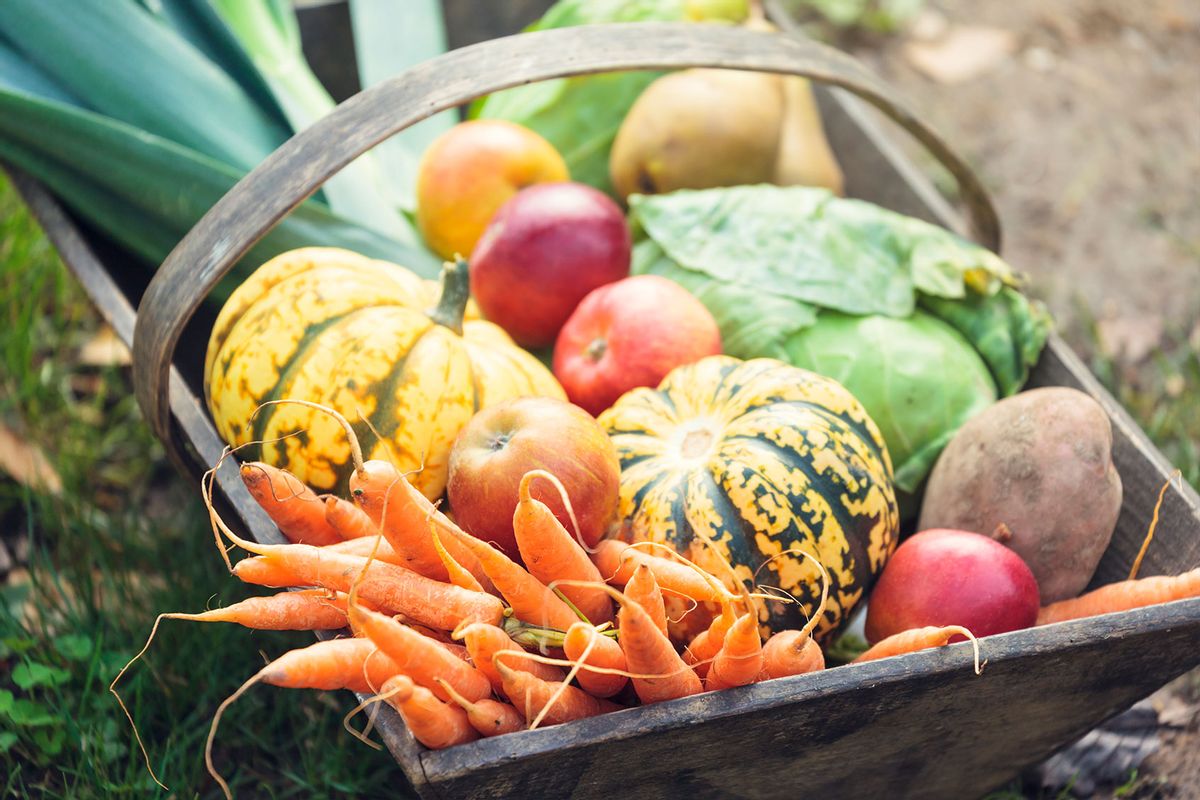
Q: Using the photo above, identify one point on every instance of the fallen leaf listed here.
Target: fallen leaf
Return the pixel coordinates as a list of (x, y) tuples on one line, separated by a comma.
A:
[(929, 25), (26, 463), (963, 53), (1175, 712), (104, 350)]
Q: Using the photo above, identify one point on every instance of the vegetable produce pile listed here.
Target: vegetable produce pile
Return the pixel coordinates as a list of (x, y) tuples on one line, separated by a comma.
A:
[(654, 431)]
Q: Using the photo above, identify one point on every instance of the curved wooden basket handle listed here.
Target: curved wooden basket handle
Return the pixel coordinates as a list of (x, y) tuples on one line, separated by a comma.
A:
[(298, 168)]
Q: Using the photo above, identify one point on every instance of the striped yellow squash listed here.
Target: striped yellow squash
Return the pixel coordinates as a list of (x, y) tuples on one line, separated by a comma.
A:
[(739, 461), (390, 351)]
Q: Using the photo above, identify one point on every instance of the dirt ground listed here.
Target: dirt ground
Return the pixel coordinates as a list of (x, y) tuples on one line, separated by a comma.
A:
[(1083, 118)]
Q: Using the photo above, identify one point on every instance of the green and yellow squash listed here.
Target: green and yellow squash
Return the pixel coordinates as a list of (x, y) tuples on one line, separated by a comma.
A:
[(388, 350), (740, 461)]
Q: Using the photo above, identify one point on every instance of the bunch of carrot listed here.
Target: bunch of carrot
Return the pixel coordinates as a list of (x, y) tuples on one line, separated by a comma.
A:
[(439, 622)]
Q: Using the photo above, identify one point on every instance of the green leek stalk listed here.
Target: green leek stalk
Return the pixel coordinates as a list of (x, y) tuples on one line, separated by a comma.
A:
[(142, 143), (271, 35)]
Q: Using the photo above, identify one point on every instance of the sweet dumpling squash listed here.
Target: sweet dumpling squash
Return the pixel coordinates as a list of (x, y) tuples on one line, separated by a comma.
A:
[(390, 351), (739, 461)]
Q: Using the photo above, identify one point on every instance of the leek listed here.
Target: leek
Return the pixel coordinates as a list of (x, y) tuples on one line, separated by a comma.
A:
[(141, 114), (147, 191), (271, 35), (122, 62)]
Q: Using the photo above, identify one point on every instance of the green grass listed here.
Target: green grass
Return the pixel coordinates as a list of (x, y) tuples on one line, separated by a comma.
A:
[(128, 539)]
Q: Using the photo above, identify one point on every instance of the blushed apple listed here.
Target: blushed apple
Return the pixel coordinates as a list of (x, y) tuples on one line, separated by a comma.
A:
[(629, 334), (543, 251), (946, 577), (501, 443), (471, 170)]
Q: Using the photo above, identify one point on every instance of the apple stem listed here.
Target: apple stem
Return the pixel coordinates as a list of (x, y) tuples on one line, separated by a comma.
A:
[(456, 290), (595, 350)]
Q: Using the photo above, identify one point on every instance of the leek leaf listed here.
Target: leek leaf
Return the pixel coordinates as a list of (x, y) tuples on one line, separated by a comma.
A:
[(389, 37), (270, 33), (147, 192), (18, 73), (199, 23), (123, 62)]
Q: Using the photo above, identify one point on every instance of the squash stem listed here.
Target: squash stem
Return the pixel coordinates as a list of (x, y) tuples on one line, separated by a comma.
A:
[(456, 290)]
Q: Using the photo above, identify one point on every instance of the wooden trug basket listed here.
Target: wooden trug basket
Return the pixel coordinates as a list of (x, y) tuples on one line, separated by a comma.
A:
[(922, 725)]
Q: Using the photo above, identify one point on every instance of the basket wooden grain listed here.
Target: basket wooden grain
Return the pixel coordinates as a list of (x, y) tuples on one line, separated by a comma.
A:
[(922, 725)]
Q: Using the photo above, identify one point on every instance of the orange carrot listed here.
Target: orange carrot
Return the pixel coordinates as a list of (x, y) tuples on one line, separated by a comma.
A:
[(643, 590), (617, 561), (1124, 596), (604, 653), (556, 702), (356, 664), (795, 652), (365, 546), (551, 554), (308, 610), (700, 652), (385, 586), (432, 723), (791, 652), (458, 575), (419, 657), (484, 641), (531, 600), (403, 515), (350, 521), (292, 506), (649, 652), (740, 659), (911, 641), (489, 717)]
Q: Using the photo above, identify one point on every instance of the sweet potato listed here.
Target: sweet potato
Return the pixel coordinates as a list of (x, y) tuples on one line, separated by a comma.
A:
[(1039, 463)]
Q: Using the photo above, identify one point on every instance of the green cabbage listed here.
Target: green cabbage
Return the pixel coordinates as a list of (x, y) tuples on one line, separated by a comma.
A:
[(918, 378), (923, 327)]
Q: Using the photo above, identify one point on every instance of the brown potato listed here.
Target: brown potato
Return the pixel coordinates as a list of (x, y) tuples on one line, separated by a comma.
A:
[(1040, 463)]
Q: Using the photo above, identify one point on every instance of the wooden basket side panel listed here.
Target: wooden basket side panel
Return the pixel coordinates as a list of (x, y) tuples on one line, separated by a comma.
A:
[(920, 726)]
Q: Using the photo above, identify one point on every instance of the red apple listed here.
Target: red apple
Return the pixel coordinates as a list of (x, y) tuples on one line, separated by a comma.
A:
[(501, 443), (946, 577), (542, 252), (628, 334)]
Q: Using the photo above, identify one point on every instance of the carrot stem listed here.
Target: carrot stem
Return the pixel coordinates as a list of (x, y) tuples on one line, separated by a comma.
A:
[(1137, 562), (355, 448)]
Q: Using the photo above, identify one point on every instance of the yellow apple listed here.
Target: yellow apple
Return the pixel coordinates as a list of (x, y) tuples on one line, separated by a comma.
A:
[(470, 171)]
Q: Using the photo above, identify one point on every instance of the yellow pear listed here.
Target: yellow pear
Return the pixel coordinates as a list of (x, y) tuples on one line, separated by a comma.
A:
[(702, 128)]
